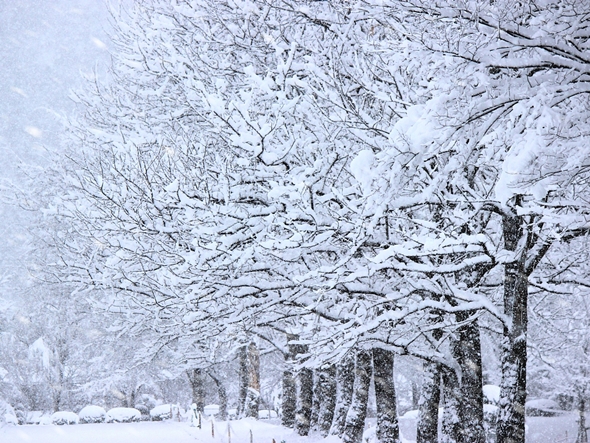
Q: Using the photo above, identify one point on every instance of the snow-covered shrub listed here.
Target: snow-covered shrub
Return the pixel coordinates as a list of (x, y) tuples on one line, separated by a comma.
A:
[(7, 414), (145, 411), (64, 418), (411, 414), (20, 413), (45, 420), (92, 414), (123, 415), (266, 414), (542, 407), (211, 410), (162, 412), (33, 417), (490, 418), (491, 394)]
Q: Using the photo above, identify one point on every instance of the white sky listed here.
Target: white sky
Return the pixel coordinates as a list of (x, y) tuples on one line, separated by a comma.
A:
[(45, 45)]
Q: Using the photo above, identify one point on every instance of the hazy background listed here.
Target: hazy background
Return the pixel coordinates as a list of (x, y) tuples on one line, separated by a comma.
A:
[(45, 48)]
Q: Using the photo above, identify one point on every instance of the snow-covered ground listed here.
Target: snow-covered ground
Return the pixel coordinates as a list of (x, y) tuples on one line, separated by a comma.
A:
[(540, 430)]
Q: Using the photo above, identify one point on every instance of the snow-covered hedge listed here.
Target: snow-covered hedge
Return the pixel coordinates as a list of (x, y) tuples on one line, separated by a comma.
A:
[(266, 414), (162, 412), (92, 414), (211, 410), (33, 417), (7, 414), (64, 418), (123, 415), (542, 407)]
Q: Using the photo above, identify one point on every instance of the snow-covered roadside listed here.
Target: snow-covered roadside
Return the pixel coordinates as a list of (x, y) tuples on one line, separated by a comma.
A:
[(540, 430), (156, 432)]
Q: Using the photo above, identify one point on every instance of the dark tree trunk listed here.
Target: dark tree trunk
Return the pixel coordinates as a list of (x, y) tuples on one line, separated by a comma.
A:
[(451, 418), (304, 383), (315, 407), (467, 351), (327, 393), (345, 388), (289, 402), (195, 377), (511, 418), (582, 436), (355, 419), (415, 395), (387, 425), (243, 376), (427, 427), (222, 394), (253, 390)]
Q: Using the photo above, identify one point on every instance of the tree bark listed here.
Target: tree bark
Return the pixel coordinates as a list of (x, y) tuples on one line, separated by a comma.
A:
[(582, 436), (387, 424), (315, 407), (243, 378), (467, 351), (327, 392), (427, 427), (289, 402), (304, 382), (451, 418), (195, 377), (253, 392), (222, 394), (511, 417), (415, 395), (345, 388), (355, 419)]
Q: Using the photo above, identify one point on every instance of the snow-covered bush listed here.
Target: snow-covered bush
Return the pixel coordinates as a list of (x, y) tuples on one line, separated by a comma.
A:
[(162, 412), (45, 420), (411, 415), (92, 414), (123, 415), (64, 418), (145, 411), (7, 414), (542, 407), (267, 414), (33, 417), (491, 394), (490, 418), (211, 410)]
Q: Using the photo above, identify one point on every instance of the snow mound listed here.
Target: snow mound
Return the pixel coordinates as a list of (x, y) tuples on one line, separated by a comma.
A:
[(162, 412), (123, 415), (491, 394), (542, 407), (64, 418), (211, 410), (411, 415), (33, 417), (45, 420), (267, 414), (7, 414), (92, 414)]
